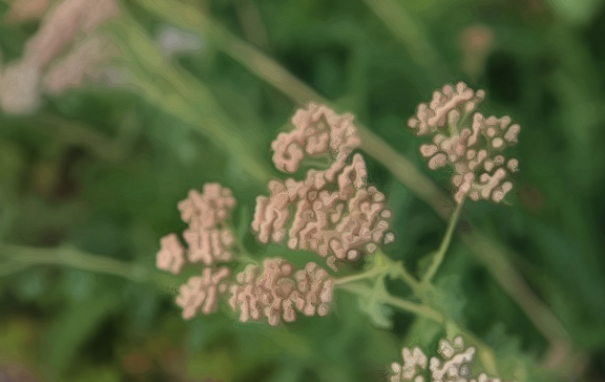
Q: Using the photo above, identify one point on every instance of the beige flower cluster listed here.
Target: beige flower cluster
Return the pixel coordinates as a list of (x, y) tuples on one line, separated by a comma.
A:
[(275, 290), (452, 365), (66, 49), (468, 142), (208, 241), (333, 211), (271, 291), (204, 290)]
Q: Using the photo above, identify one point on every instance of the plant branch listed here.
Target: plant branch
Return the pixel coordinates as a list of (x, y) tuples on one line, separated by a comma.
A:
[(360, 276), (402, 168), (422, 310), (445, 243)]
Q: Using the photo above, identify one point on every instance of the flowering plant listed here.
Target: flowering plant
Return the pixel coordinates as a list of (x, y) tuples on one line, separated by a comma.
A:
[(333, 212)]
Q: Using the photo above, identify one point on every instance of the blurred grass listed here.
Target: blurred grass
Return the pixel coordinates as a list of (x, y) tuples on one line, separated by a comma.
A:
[(102, 167)]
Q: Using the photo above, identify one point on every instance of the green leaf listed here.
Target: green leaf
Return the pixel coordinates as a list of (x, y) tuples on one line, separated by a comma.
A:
[(379, 313)]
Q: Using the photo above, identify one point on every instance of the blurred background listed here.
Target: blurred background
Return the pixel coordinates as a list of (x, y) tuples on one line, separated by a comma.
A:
[(111, 110)]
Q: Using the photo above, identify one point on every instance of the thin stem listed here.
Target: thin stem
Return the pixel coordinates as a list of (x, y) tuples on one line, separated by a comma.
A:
[(408, 306), (360, 276), (399, 270), (71, 257), (445, 243), (486, 354)]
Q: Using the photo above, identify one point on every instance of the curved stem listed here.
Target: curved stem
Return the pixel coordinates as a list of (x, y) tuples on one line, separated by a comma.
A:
[(445, 243)]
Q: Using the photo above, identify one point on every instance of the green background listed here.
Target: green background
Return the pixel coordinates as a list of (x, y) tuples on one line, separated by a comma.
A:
[(101, 168)]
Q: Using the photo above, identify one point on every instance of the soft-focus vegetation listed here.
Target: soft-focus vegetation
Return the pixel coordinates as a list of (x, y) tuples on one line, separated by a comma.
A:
[(194, 91)]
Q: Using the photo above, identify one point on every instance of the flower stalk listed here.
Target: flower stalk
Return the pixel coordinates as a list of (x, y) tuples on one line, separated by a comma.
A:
[(445, 243)]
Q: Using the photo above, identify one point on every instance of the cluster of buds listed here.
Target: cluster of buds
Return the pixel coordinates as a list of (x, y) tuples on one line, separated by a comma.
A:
[(271, 291), (204, 290), (452, 365), (332, 212), (206, 213), (473, 149), (275, 290), (208, 241)]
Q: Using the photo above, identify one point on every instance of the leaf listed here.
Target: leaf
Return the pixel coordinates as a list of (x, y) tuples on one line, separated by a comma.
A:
[(379, 313)]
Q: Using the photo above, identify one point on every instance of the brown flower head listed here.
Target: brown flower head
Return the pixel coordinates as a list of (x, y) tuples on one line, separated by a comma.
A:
[(473, 149), (333, 211)]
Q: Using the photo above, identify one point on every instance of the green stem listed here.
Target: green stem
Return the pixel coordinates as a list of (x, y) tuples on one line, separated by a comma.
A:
[(399, 270), (445, 243), (71, 257), (486, 354), (360, 276), (408, 306)]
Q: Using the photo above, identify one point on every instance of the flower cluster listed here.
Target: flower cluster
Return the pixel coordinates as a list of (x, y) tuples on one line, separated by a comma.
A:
[(275, 290), (452, 365), (473, 149), (208, 241), (204, 290), (66, 50), (205, 213), (272, 292), (332, 212)]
